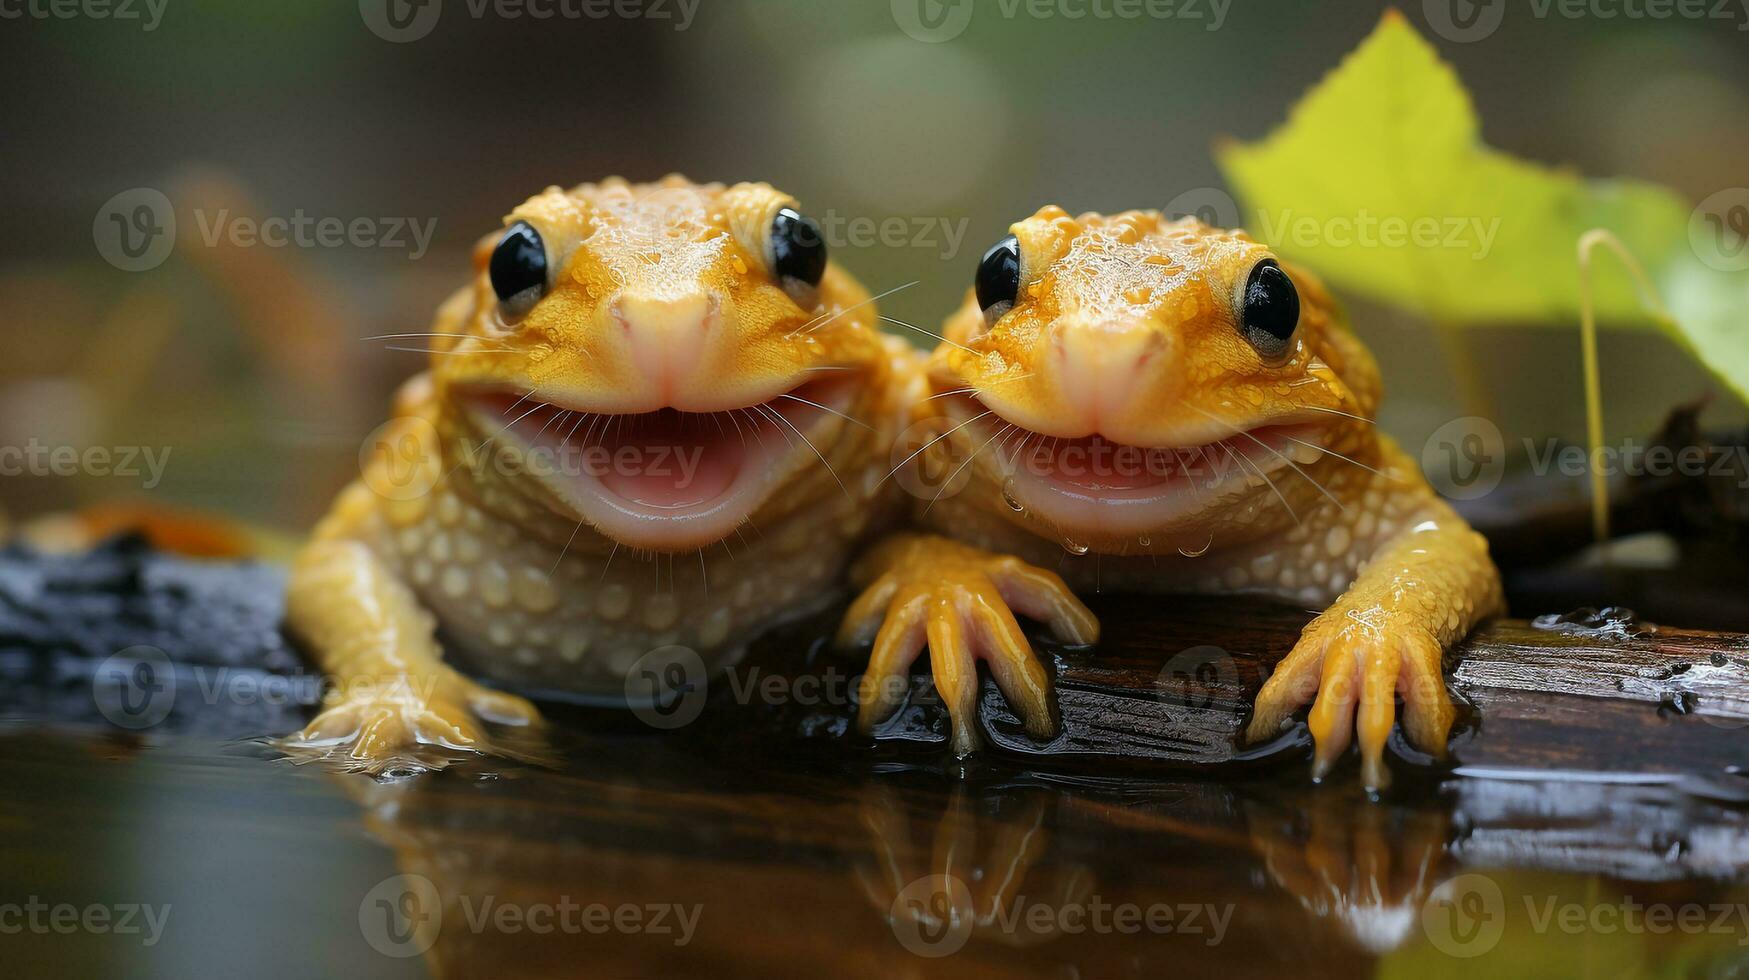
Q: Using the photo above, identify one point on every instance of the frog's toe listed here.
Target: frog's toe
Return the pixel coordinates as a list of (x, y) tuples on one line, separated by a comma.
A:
[(1428, 713), (955, 670), (896, 646), (500, 708), (1043, 595), (864, 618), (1357, 674), (1293, 682), (1331, 719), (376, 733), (392, 732), (1017, 672)]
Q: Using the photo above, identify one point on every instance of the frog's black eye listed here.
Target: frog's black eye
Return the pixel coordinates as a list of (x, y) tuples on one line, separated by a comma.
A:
[(1269, 310), (519, 267), (998, 278), (798, 249)]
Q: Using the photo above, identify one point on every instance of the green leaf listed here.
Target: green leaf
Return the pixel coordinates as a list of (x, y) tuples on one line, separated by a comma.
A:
[(1380, 182)]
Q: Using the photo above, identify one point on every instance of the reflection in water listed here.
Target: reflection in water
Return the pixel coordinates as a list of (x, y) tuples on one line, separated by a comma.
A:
[(668, 856), (987, 865), (1367, 868)]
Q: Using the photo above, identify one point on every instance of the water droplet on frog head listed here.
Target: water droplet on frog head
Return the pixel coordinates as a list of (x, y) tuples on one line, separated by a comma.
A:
[(1074, 547), (1009, 498)]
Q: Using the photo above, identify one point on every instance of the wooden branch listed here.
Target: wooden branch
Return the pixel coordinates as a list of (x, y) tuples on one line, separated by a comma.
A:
[(1170, 686)]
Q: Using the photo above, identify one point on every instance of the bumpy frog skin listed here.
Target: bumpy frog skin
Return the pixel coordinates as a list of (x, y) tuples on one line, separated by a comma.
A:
[(1113, 420), (704, 440)]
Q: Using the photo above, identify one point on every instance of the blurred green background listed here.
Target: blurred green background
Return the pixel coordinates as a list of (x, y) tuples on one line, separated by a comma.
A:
[(248, 364)]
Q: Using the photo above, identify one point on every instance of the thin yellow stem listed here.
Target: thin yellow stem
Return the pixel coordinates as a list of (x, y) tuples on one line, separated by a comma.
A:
[(1593, 384)]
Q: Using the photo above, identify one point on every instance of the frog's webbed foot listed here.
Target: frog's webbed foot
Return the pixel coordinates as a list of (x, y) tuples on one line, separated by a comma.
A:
[(414, 723), (395, 704), (1352, 669), (960, 601)]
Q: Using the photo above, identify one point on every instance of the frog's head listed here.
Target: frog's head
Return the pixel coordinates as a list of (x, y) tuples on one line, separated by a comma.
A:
[(671, 348), (1147, 381)]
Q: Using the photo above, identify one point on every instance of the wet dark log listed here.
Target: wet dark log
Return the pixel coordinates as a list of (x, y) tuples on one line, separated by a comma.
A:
[(1171, 683), (1169, 688)]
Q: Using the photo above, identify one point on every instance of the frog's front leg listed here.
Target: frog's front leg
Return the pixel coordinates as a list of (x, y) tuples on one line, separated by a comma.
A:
[(960, 600), (1421, 592), (393, 698)]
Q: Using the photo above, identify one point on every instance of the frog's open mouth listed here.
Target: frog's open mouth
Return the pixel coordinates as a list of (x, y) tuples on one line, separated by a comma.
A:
[(666, 479), (1092, 484)]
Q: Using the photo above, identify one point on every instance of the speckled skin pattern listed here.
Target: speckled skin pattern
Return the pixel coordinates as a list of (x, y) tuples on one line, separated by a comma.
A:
[(660, 299), (1125, 329)]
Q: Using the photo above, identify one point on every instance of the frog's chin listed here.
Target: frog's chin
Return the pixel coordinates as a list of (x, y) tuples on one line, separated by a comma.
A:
[(664, 480), (1096, 489)]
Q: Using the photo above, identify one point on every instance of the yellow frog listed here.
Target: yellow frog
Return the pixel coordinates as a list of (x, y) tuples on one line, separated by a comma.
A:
[(658, 416), (1162, 406)]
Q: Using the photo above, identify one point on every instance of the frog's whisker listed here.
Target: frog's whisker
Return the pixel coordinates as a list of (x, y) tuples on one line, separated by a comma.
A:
[(427, 333), (927, 333), (500, 432), (1273, 452), (427, 350), (804, 401), (580, 417), (1194, 489), (932, 442), (811, 325), (956, 391), (1240, 459), (557, 417), (561, 559), (1326, 449), (803, 437), (754, 423), (1006, 426), (1332, 411)]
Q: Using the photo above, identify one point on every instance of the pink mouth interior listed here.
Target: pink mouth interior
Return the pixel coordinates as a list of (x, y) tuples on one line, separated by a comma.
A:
[(1094, 463), (661, 461), (703, 460)]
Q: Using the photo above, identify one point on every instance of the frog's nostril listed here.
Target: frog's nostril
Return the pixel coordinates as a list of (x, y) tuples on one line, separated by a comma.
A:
[(667, 334), (1099, 367)]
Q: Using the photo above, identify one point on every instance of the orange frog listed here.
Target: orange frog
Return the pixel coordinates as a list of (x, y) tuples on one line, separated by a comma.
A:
[(1161, 406), (635, 373)]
